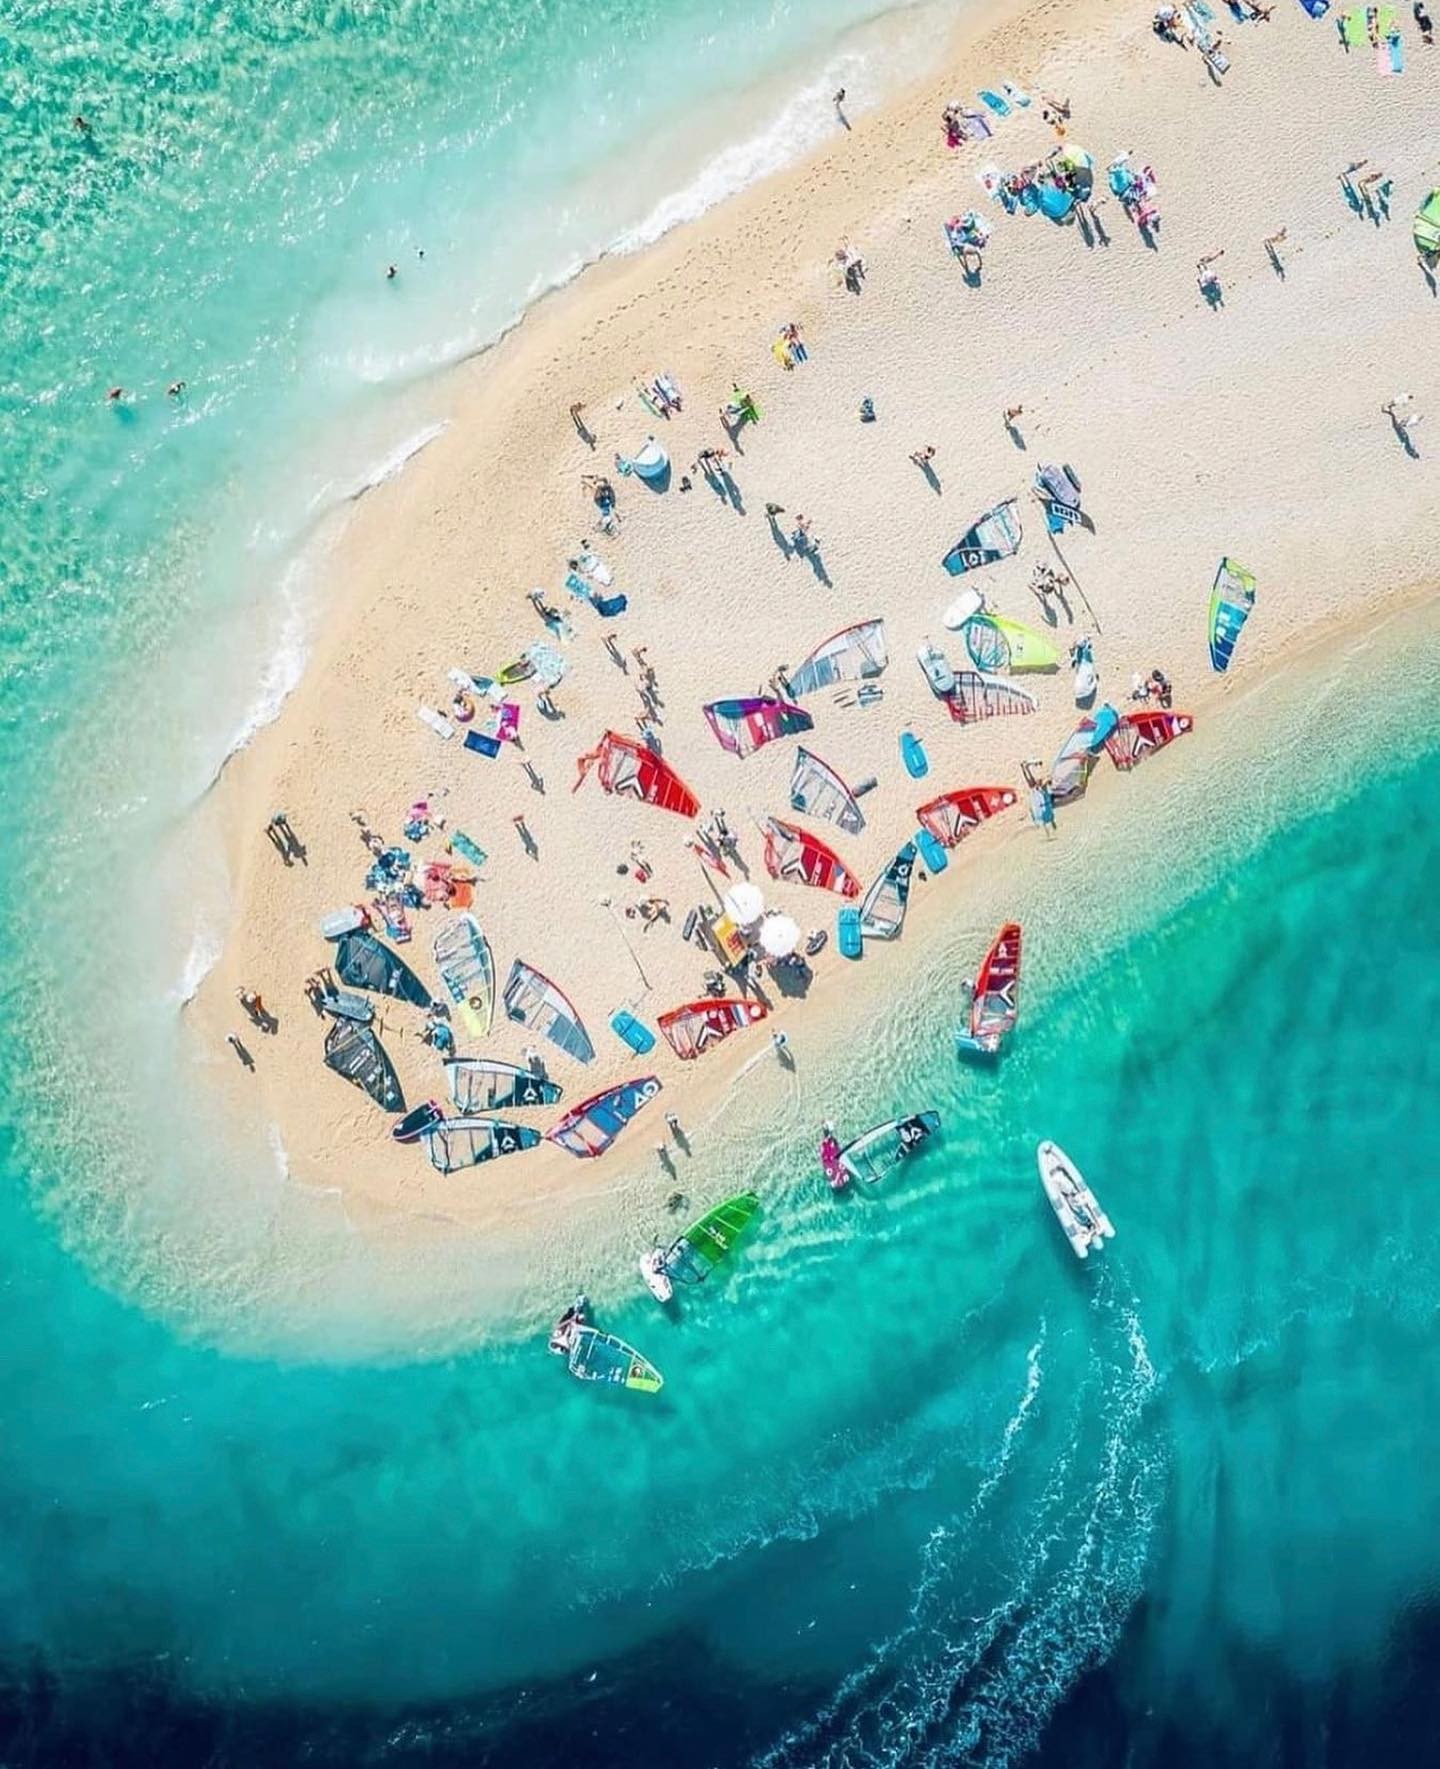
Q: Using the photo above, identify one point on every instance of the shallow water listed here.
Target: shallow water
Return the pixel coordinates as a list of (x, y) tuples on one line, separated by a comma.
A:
[(917, 1477), (920, 1489)]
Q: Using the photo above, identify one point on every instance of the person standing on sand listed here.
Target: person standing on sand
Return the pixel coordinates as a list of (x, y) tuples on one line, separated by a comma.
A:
[(922, 457), (1424, 23), (1394, 409)]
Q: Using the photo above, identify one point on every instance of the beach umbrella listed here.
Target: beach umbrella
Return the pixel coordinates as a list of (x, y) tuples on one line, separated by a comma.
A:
[(779, 936), (744, 904)]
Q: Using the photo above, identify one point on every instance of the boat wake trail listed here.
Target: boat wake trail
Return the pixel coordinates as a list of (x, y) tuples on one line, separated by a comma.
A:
[(978, 1667)]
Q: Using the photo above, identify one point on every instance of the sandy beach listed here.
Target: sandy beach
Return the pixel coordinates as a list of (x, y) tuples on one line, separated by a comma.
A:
[(1247, 424)]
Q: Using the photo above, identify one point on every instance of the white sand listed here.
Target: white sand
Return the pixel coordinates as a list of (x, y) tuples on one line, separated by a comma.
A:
[(1253, 430)]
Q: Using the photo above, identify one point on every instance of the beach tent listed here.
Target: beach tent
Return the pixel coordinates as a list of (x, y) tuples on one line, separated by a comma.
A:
[(1427, 226), (630, 768)]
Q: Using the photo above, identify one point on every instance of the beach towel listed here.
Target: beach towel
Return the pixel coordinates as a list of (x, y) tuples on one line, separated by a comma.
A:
[(607, 607), (1316, 8), (1352, 27), (441, 726), (481, 744), (996, 103), (1395, 48), (1016, 94), (461, 844), (976, 126)]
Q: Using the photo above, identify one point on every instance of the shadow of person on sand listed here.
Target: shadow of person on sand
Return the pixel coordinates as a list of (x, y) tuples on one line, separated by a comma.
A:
[(817, 565), (778, 534)]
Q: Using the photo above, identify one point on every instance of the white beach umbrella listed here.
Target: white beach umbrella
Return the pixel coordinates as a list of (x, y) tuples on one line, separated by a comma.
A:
[(779, 936), (744, 904)]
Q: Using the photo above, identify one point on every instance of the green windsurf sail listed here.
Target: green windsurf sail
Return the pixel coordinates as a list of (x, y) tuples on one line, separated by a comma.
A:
[(692, 1258), (997, 644)]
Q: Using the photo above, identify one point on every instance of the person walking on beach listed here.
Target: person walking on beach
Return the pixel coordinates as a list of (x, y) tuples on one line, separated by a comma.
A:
[(527, 841), (1207, 279), (1424, 23), (246, 1060), (283, 838), (1403, 420), (922, 458), (1042, 804), (839, 102)]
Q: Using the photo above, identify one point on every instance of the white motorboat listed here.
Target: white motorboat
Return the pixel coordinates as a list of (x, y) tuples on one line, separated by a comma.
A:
[(1085, 1224)]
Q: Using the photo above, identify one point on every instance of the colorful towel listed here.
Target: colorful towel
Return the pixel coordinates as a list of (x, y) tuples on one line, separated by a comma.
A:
[(461, 844)]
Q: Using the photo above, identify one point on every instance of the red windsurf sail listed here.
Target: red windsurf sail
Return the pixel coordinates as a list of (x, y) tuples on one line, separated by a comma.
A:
[(627, 767), (794, 853), (952, 816), (692, 1030), (996, 1003), (1138, 734)]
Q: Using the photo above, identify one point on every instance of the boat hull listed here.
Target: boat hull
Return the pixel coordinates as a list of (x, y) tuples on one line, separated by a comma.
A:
[(1076, 1209), (657, 1279)]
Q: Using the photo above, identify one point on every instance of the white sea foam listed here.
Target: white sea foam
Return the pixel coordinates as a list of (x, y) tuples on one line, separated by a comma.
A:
[(200, 960), (973, 1680), (803, 122), (286, 663), (390, 465)]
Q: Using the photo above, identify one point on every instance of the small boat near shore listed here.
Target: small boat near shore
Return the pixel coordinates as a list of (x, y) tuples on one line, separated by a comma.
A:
[(876, 1151), (1085, 1224), (657, 1279), (830, 1152), (593, 1356)]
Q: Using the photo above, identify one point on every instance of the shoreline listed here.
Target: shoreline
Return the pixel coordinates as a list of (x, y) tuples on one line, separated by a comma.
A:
[(521, 398)]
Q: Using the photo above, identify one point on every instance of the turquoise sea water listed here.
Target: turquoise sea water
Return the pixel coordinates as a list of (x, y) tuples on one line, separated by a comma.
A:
[(920, 1489)]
